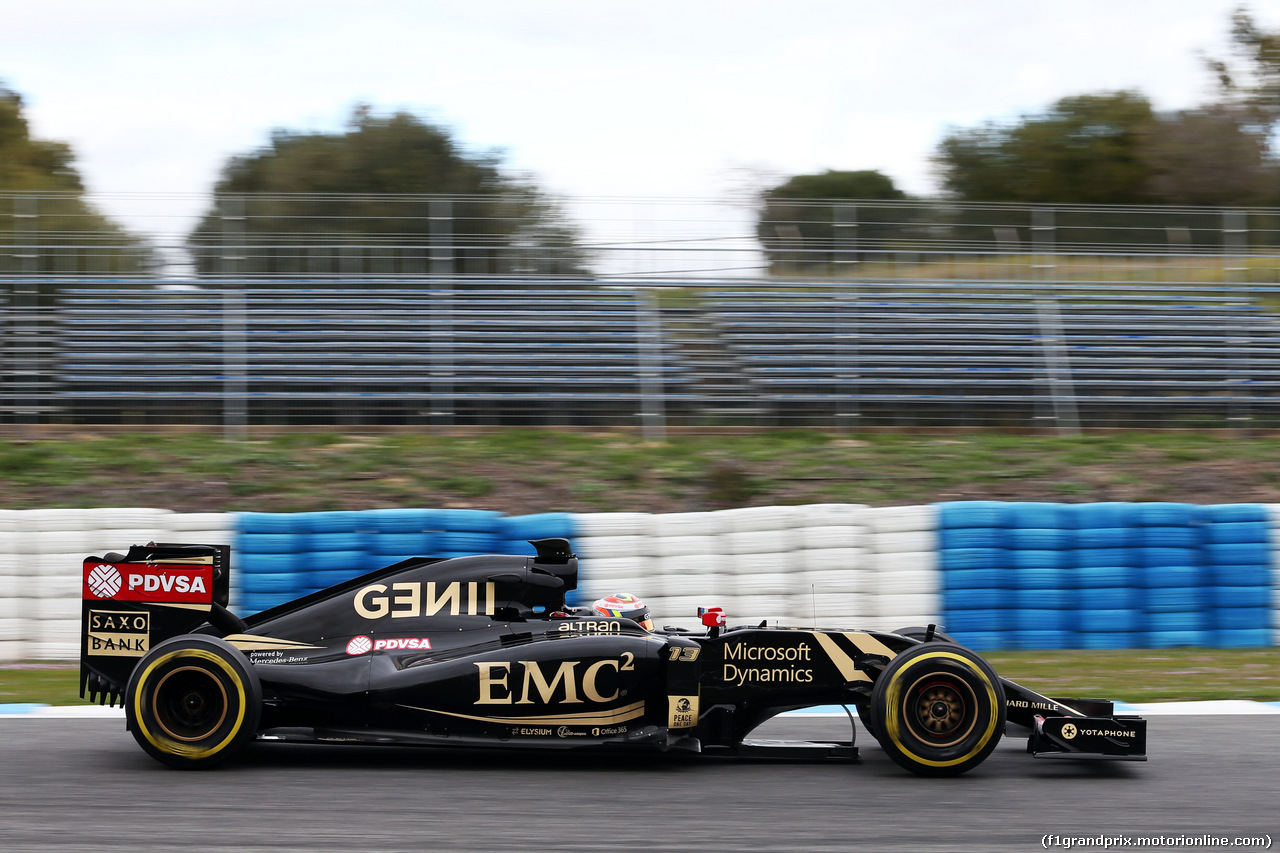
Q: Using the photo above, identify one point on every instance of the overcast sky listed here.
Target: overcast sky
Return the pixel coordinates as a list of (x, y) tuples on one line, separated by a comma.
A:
[(594, 98)]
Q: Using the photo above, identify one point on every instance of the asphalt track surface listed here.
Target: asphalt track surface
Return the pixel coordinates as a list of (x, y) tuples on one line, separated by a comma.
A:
[(84, 785)]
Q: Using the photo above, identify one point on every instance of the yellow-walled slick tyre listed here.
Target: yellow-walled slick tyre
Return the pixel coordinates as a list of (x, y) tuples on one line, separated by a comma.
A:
[(192, 701), (938, 709)]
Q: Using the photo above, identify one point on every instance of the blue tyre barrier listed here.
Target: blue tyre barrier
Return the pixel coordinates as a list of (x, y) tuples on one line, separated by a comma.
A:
[(1024, 560), (1047, 639), (1102, 576), (1258, 574), (961, 559), (1243, 618), (1238, 553), (1109, 621), (1104, 557), (973, 514), (338, 541), (1239, 596), (1107, 515), (1111, 640), (1248, 638), (1177, 598), (1046, 599), (1105, 537), (1163, 576), (268, 543), (977, 579), (270, 522), (1163, 515), (1051, 578), (271, 564), (991, 620), (284, 583), (352, 562), (1233, 513), (333, 577), (985, 598), (971, 537), (1039, 538), (1238, 532), (418, 544), (546, 525), (1110, 598)]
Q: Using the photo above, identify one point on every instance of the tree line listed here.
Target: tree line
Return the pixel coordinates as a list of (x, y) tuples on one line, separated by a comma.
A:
[(405, 190)]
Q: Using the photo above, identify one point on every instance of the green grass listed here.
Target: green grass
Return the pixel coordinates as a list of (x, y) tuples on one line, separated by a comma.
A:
[(527, 470), (1147, 675), (1132, 675), (50, 684)]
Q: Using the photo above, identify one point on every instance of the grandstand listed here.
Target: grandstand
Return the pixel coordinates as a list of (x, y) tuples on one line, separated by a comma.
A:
[(342, 354), (435, 352), (938, 354)]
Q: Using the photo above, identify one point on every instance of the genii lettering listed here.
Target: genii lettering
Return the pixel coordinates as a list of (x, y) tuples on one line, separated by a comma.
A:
[(408, 599)]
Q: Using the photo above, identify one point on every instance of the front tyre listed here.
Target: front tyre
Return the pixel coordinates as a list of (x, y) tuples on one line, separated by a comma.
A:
[(938, 709), (192, 701)]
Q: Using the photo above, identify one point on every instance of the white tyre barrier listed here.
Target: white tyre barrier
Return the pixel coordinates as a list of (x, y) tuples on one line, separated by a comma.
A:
[(198, 537), (911, 582), (751, 518), (591, 524), (907, 608), (903, 561), (830, 515), (126, 517), (615, 567), (685, 524), (677, 546), (57, 519), (757, 608), (832, 537), (119, 539), (831, 559), (898, 541), (763, 584), (834, 582), (52, 542), (900, 519), (11, 607), (594, 547), (219, 521), (766, 563), (754, 541)]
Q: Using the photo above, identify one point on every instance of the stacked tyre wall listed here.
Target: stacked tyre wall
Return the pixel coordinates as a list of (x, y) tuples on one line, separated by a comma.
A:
[(995, 575)]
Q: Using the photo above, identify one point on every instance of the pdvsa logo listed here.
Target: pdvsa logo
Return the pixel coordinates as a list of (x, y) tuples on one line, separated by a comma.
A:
[(160, 583), (362, 645), (104, 581)]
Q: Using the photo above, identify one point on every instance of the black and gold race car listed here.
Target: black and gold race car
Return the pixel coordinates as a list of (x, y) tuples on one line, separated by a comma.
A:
[(482, 651)]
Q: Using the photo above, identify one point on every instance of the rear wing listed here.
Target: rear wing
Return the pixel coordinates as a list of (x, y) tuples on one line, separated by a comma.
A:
[(130, 602)]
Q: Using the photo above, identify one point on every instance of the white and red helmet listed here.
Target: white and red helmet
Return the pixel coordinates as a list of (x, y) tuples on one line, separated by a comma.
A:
[(626, 606)]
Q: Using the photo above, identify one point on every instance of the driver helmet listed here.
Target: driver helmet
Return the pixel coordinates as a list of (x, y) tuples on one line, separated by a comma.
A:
[(627, 606)]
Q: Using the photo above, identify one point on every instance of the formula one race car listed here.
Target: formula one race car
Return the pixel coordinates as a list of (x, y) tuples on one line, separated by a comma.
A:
[(482, 651)]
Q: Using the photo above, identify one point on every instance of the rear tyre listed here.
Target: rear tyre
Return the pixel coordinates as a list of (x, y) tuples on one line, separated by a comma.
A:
[(938, 709), (193, 701)]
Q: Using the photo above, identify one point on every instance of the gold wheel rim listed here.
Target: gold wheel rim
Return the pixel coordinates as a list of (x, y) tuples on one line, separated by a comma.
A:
[(164, 719)]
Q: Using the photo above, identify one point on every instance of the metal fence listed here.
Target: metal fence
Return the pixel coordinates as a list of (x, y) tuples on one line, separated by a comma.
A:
[(405, 236), (430, 313)]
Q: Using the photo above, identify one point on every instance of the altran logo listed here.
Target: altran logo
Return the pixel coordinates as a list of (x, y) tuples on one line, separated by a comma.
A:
[(359, 645), (104, 581)]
